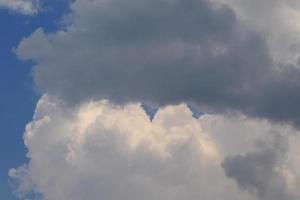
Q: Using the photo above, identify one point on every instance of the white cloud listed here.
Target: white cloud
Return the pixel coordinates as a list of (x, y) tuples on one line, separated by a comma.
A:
[(103, 151), (27, 7)]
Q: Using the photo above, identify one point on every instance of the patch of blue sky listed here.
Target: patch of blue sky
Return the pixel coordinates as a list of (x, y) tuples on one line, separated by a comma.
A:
[(152, 110), (149, 110), (197, 113), (17, 95)]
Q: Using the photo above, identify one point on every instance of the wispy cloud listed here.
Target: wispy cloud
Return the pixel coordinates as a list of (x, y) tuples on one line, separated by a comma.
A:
[(26, 7)]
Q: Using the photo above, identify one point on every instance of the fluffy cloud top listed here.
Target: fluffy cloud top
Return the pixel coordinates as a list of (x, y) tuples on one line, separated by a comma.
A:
[(27, 7), (102, 151)]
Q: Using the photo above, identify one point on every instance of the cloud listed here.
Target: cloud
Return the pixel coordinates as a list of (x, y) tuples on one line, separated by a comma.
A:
[(280, 24), (22, 184), (100, 150), (103, 151), (163, 52), (26, 7), (90, 137), (262, 172)]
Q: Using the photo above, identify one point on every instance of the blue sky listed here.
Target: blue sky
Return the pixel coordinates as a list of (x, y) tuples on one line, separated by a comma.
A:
[(18, 97)]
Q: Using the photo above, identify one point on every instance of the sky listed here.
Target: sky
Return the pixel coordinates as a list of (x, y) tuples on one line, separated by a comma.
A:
[(18, 93), (161, 99)]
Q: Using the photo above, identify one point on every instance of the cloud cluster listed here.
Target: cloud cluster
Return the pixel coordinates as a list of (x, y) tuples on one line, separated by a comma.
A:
[(213, 54), (163, 52), (26, 7), (102, 151)]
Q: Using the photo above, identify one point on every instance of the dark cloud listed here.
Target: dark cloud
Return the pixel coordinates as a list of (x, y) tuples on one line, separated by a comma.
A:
[(279, 98), (162, 52), (262, 172)]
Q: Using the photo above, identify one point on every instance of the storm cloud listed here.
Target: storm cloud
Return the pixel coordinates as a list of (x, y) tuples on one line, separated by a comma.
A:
[(163, 52)]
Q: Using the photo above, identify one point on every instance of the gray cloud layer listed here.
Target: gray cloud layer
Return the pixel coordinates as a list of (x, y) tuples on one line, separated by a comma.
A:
[(163, 52), (261, 172)]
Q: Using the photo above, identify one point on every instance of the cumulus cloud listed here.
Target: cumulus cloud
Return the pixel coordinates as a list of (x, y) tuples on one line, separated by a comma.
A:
[(26, 7), (213, 55), (102, 151), (163, 52)]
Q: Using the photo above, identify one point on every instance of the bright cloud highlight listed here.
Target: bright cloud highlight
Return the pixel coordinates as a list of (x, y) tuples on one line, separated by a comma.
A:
[(102, 151)]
